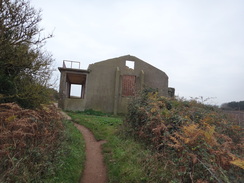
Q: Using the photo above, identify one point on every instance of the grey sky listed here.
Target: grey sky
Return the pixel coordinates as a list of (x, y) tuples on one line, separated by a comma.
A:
[(198, 43)]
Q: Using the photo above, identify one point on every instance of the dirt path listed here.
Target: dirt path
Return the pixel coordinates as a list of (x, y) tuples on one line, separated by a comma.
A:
[(95, 170)]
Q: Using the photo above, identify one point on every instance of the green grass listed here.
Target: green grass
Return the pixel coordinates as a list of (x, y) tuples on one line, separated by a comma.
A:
[(71, 157), (126, 159)]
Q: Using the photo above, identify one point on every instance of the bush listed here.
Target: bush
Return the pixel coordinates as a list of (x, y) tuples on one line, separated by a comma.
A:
[(195, 141), (29, 142)]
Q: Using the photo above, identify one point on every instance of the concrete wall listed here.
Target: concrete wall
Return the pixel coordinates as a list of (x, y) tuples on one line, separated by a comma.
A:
[(63, 91), (71, 76), (101, 82), (71, 104)]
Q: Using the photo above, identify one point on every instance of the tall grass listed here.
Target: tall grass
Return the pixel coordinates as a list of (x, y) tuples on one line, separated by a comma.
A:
[(71, 160)]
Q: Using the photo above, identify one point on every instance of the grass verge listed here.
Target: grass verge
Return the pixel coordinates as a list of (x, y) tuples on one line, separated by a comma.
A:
[(71, 156), (126, 160)]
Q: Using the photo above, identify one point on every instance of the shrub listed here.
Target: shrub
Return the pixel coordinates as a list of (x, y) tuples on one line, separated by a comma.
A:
[(195, 141), (29, 142)]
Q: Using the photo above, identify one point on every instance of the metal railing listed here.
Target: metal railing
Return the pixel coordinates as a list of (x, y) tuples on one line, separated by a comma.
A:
[(71, 64)]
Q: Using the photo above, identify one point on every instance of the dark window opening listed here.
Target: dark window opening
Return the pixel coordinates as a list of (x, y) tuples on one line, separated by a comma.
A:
[(128, 85)]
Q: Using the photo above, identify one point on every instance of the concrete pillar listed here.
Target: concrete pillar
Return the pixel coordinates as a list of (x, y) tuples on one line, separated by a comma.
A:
[(83, 91), (142, 80), (116, 91), (68, 89), (62, 90)]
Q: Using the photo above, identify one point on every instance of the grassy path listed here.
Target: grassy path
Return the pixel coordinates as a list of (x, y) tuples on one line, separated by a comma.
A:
[(71, 158), (126, 160), (95, 169)]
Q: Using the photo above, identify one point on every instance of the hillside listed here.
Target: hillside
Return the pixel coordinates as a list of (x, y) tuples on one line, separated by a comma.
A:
[(160, 140), (168, 140), (196, 142)]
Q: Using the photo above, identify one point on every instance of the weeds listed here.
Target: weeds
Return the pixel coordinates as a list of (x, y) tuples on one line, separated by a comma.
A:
[(35, 146), (28, 142), (195, 142)]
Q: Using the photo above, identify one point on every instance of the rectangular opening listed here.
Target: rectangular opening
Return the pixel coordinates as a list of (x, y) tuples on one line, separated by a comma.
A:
[(71, 64), (75, 91), (130, 64), (128, 85)]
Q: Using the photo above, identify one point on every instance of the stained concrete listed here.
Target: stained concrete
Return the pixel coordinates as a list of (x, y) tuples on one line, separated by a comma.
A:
[(103, 84), (74, 104), (102, 80)]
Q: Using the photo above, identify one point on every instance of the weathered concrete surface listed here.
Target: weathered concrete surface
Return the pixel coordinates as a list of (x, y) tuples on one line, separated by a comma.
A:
[(104, 84), (73, 104), (102, 79), (70, 76)]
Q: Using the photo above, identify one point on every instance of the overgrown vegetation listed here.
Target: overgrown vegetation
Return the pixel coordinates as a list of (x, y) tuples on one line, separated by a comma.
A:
[(124, 157), (71, 157), (195, 142), (35, 147), (34, 144), (25, 68), (29, 141)]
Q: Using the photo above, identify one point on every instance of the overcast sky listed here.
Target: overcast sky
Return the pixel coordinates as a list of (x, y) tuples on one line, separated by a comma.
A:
[(198, 43)]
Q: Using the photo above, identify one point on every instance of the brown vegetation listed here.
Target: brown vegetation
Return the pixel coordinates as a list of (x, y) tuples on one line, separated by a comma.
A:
[(236, 117), (29, 140), (197, 143)]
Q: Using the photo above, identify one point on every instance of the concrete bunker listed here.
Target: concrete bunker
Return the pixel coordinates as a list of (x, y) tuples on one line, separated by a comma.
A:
[(69, 78), (109, 85)]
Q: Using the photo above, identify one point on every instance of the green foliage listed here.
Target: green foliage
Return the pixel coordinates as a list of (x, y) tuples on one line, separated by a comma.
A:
[(54, 95), (70, 157), (194, 141), (233, 105), (103, 127), (96, 113), (126, 160), (24, 67)]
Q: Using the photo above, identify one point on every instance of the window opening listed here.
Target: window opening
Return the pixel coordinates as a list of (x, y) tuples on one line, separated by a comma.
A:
[(75, 91), (128, 85), (130, 64), (71, 64)]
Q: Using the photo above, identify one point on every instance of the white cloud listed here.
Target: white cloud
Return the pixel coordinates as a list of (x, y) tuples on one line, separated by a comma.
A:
[(199, 44)]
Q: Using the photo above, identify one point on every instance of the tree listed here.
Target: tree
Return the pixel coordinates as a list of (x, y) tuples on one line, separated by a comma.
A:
[(233, 105), (25, 68)]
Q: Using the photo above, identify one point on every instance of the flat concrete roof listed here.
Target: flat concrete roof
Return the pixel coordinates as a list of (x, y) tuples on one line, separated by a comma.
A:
[(75, 76), (73, 70)]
